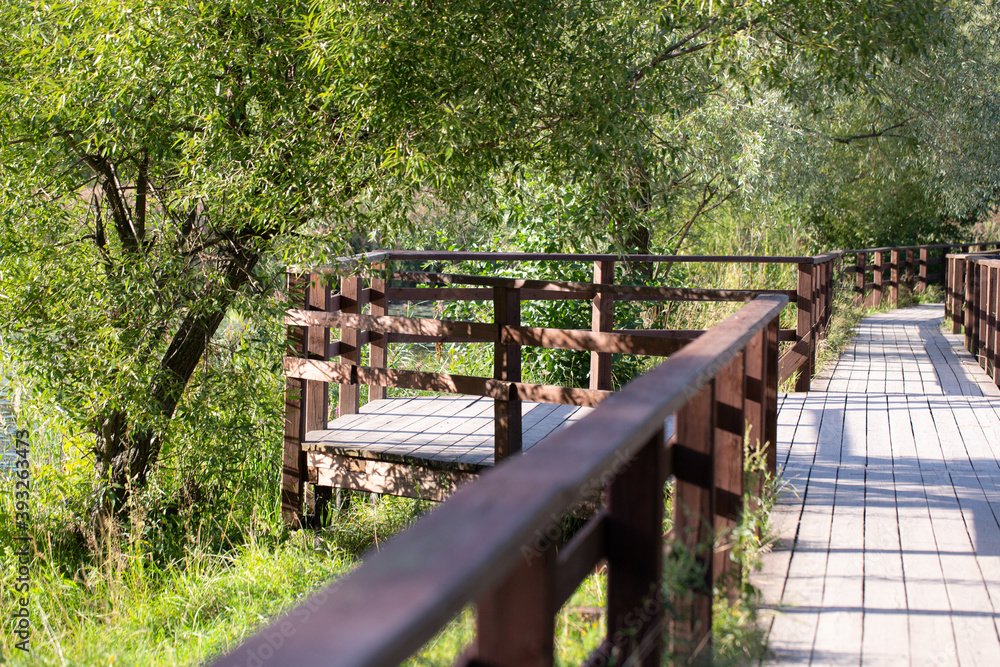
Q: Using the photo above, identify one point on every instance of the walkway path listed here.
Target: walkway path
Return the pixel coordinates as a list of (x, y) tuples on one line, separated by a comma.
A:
[(890, 545)]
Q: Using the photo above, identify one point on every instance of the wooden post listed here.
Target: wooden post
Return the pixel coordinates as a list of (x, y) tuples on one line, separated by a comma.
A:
[(982, 325), (803, 329), (755, 401), (823, 290), (991, 319), (730, 423), (922, 269), (860, 277), (894, 278), (829, 282), (306, 405), (694, 509), (909, 269), (293, 463), (506, 366), (995, 307), (351, 301), (635, 558), (970, 304), (602, 319), (515, 624), (817, 298), (949, 288), (379, 342), (957, 294), (877, 295), (771, 377), (760, 403)]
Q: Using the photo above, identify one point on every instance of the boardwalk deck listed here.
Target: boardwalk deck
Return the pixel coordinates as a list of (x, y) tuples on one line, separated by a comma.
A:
[(889, 547), (422, 446)]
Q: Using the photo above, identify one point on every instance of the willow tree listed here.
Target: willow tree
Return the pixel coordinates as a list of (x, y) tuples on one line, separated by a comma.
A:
[(154, 156)]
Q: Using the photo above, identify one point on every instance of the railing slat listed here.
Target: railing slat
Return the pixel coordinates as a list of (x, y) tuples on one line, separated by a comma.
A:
[(694, 504), (635, 557)]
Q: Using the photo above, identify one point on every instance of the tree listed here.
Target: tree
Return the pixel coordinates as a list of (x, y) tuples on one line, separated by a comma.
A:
[(156, 157)]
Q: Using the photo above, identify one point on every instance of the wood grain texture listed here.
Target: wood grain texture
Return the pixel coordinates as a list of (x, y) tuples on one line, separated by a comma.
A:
[(890, 545)]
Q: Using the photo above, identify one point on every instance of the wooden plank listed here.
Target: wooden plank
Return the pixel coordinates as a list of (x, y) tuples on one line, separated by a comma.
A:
[(754, 384), (972, 613), (315, 395), (456, 256), (908, 271), (413, 326), (547, 393), (930, 630), (293, 468), (839, 626), (552, 422), (969, 305), (398, 479), (443, 382), (620, 292), (440, 294), (591, 341), (886, 634), (991, 320), (486, 294), (795, 358), (771, 378), (293, 465)]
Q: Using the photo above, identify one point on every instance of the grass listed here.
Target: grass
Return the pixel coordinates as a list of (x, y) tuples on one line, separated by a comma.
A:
[(119, 606)]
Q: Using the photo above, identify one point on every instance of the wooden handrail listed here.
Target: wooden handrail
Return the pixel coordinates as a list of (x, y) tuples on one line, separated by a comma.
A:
[(587, 290), (468, 549)]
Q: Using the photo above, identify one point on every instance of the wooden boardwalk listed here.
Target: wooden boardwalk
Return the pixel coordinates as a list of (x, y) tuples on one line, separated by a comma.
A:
[(889, 547), (450, 430)]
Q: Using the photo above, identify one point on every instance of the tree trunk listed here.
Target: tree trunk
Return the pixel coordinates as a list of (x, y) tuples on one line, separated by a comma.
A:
[(126, 452)]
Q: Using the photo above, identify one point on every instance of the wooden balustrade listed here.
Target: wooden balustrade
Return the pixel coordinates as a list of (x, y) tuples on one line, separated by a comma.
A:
[(488, 545), (481, 546)]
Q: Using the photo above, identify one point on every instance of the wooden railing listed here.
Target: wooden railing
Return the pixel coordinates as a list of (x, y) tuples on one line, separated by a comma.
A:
[(483, 545), (973, 304), (310, 372), (494, 543)]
